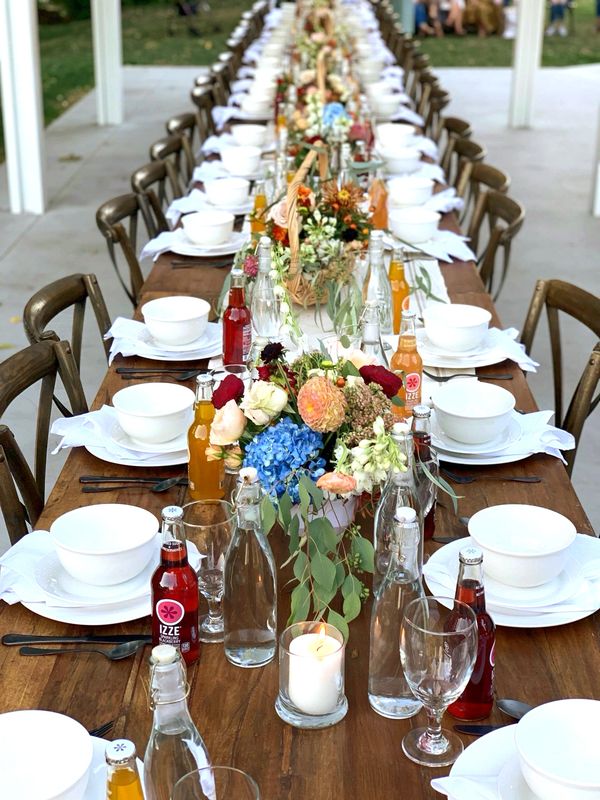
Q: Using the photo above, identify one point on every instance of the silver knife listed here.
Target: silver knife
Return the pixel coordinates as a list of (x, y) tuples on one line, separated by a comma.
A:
[(477, 730), (108, 638)]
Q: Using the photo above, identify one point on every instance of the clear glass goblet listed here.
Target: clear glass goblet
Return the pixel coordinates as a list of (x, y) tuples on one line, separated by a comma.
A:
[(210, 783), (209, 524), (438, 647)]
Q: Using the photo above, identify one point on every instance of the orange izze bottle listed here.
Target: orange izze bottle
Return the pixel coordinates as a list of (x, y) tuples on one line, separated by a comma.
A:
[(205, 477), (400, 289), (408, 364)]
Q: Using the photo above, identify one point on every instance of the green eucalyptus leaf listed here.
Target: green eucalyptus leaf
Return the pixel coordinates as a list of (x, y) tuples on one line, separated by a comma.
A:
[(322, 597), (364, 549), (345, 341), (349, 369), (323, 570), (351, 585), (300, 603), (285, 510), (294, 538), (335, 619), (314, 492), (323, 534), (268, 514), (304, 499), (352, 606), (300, 565), (340, 574)]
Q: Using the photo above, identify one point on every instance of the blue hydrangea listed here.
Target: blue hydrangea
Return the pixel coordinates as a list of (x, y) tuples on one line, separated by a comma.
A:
[(331, 112), (283, 452)]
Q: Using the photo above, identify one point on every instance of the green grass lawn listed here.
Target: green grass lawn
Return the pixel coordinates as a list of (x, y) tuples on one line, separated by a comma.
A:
[(582, 46)]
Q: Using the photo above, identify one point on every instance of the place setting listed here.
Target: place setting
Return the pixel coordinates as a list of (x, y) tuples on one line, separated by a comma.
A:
[(226, 194), (538, 571)]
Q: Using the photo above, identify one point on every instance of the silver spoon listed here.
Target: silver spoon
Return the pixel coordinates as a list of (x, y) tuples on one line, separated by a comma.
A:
[(513, 708), (444, 378), (112, 653)]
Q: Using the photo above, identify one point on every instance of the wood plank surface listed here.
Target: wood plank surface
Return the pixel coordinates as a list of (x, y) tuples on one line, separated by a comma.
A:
[(361, 757)]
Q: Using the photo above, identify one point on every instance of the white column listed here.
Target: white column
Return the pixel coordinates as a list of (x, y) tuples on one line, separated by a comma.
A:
[(22, 105), (596, 175), (526, 61), (108, 61)]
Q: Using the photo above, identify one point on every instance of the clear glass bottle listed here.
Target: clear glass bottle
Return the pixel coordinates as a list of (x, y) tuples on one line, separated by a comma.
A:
[(266, 318), (371, 344), (407, 362), (389, 693), (205, 477), (427, 465), (399, 491), (122, 776), (174, 590), (175, 747), (345, 173), (377, 283), (250, 586), (478, 698)]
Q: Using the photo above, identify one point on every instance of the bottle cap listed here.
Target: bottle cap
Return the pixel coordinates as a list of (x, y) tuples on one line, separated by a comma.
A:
[(172, 513), (421, 411), (400, 429), (248, 475), (119, 752), (236, 272), (405, 514), (376, 235), (164, 654), (205, 379), (470, 555), (408, 314)]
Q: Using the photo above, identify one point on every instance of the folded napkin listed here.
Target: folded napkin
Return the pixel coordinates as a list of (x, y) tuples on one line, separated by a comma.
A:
[(444, 246), (476, 787), (426, 145), (235, 98), (393, 71), (506, 341), (209, 170), (222, 114), (196, 200), (241, 85), (445, 201), (132, 338), (94, 429), (245, 71), (433, 171), (405, 114), (162, 244)]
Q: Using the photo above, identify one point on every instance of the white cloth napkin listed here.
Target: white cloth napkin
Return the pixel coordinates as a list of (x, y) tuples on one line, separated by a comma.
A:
[(94, 429), (405, 114), (162, 244), (222, 114), (426, 145), (196, 200), (444, 201), (506, 341), (393, 71), (241, 85), (540, 437), (477, 787), (209, 170), (214, 143), (132, 338), (444, 246)]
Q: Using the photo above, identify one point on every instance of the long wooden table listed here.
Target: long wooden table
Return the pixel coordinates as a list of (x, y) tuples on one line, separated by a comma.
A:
[(360, 757)]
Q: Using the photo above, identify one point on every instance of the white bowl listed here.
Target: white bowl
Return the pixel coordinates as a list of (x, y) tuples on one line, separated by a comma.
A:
[(455, 326), (241, 160), (253, 135), (393, 134), (105, 544), (177, 319), (401, 160), (413, 224), (153, 413), (227, 191), (409, 190), (522, 545), (472, 412), (252, 105), (44, 756), (558, 750), (262, 92), (208, 227)]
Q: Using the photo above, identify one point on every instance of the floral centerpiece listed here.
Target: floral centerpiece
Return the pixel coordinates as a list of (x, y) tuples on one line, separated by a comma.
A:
[(317, 432)]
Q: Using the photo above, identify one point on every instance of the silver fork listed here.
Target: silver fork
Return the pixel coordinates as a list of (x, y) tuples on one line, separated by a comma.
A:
[(505, 376)]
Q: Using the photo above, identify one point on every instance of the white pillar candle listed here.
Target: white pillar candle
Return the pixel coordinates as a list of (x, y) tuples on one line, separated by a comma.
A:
[(315, 673)]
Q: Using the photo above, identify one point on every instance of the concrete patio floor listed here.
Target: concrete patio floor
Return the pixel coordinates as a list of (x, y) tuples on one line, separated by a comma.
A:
[(550, 168)]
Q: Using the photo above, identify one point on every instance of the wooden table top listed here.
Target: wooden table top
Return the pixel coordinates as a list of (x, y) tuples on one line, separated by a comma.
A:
[(361, 757)]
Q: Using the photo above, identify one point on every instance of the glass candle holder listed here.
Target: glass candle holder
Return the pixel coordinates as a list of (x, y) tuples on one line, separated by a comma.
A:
[(209, 783), (311, 675)]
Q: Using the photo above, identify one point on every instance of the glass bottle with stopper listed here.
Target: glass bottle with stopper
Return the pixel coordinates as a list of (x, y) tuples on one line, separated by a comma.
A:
[(377, 283), (250, 587), (266, 317), (371, 344), (122, 776), (426, 466), (175, 746), (389, 693)]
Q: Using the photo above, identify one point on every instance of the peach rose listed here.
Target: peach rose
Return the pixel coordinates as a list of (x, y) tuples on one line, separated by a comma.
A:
[(228, 424), (336, 482), (278, 214), (358, 358)]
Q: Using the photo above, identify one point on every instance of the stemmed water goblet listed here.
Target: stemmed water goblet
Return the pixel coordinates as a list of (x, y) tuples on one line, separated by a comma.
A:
[(438, 647), (209, 525)]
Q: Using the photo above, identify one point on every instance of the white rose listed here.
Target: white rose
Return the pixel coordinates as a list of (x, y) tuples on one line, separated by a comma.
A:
[(264, 401), (284, 307)]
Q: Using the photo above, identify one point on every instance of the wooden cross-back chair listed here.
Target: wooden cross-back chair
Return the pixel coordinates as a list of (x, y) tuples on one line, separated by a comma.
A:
[(221, 88), (465, 153), (451, 129), (557, 297), (176, 150), (482, 178), (157, 185), (186, 126), (118, 221), (504, 217), (22, 490), (204, 100), (70, 292), (432, 111)]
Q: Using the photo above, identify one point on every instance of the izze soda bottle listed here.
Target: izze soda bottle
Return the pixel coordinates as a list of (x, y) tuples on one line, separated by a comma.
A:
[(175, 591), (477, 699)]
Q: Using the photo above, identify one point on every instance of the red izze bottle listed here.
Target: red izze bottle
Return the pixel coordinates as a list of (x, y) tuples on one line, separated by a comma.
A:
[(477, 699), (237, 328), (175, 591), (426, 461)]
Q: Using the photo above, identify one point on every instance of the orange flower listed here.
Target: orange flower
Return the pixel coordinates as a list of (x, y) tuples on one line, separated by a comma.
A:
[(336, 482), (321, 405)]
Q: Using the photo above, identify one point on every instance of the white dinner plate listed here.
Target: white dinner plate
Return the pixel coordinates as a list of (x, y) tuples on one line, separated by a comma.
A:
[(238, 211), (51, 576), (443, 442), (500, 595), (584, 549), (487, 755), (484, 461), (511, 783), (212, 333), (172, 446), (160, 460), (96, 788), (435, 357), (210, 345), (184, 247), (95, 615), (253, 176)]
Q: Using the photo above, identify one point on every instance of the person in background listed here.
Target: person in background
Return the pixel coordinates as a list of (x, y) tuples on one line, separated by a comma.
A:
[(427, 18), (557, 18), (454, 19), (485, 15)]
